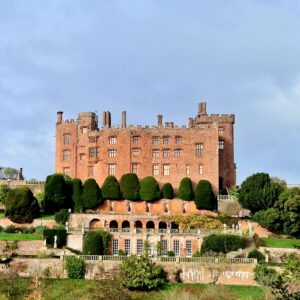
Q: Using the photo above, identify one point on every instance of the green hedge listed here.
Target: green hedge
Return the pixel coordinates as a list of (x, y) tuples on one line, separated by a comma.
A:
[(204, 196), (167, 191), (61, 236), (110, 188), (91, 195), (149, 189), (129, 185), (62, 216), (186, 189), (92, 243), (77, 195)]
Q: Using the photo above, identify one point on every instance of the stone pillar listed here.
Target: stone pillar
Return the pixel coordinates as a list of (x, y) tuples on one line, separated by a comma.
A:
[(123, 119), (191, 123)]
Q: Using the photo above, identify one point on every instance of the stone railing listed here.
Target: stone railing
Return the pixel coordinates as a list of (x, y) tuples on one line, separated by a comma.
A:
[(21, 182), (227, 197)]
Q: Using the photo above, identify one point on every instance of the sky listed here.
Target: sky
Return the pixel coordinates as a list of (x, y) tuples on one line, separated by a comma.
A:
[(152, 57)]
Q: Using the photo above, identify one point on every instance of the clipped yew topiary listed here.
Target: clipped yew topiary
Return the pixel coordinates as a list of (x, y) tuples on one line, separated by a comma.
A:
[(92, 243), (91, 194), (110, 188), (129, 185), (62, 216), (149, 189), (186, 189), (167, 191), (21, 206), (204, 196), (77, 195), (60, 233)]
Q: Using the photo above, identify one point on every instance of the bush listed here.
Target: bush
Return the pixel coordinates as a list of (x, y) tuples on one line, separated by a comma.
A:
[(129, 185), (167, 191), (140, 273), (186, 189), (221, 243), (121, 252), (75, 267), (4, 189), (171, 253), (149, 189), (197, 254), (62, 216), (77, 195), (257, 240), (110, 188), (269, 218), (204, 196), (61, 234), (92, 243), (21, 206), (91, 195), (256, 254)]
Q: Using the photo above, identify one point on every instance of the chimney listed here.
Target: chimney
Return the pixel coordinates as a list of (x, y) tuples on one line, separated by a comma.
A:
[(124, 119), (202, 108), (166, 124), (108, 119), (104, 119), (172, 124), (59, 117), (20, 174), (191, 123), (159, 120)]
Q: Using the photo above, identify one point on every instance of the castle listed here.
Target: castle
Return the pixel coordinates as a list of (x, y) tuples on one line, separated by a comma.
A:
[(202, 150)]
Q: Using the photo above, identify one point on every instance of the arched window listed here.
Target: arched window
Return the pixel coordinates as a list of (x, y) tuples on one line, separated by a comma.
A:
[(125, 226), (113, 226)]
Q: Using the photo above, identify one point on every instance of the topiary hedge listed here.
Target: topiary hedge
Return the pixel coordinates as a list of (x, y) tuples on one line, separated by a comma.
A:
[(149, 189), (167, 191), (110, 188), (186, 189), (221, 243), (204, 196), (61, 234), (92, 243), (129, 185), (62, 216), (77, 195), (91, 194)]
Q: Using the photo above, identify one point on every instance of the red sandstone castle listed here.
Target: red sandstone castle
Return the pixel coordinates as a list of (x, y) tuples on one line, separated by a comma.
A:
[(202, 150)]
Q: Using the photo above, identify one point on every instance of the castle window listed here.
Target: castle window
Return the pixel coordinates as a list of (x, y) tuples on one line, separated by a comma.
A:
[(200, 169), (67, 138), (187, 170), (198, 148), (92, 139), (67, 171), (177, 140), (84, 130), (188, 248), (177, 152), (111, 169), (166, 170), (135, 152), (66, 155), (135, 139), (220, 130), (221, 145), (155, 171), (139, 247), (112, 152), (115, 247), (166, 140), (176, 247), (134, 168), (166, 152), (93, 153), (112, 140), (155, 140), (127, 247), (155, 153), (164, 247), (90, 171)]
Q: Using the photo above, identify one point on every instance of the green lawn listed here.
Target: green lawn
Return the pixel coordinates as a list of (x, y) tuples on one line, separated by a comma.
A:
[(14, 288), (46, 217), (20, 237), (280, 243)]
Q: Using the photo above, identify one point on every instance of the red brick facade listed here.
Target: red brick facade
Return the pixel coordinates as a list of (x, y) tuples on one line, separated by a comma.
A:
[(202, 150)]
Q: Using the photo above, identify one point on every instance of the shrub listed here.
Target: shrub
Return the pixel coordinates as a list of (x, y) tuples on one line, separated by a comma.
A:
[(92, 243), (171, 253), (110, 188), (62, 216), (257, 240), (91, 195), (197, 254), (121, 252), (129, 185), (21, 206), (140, 273), (256, 254), (4, 189), (167, 191), (75, 267), (149, 189), (204, 196), (77, 195), (61, 234), (186, 189), (221, 243), (269, 218)]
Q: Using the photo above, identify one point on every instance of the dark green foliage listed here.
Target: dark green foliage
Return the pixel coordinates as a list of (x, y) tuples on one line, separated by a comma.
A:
[(204, 196), (171, 253), (258, 192), (256, 254), (62, 216), (257, 240), (21, 206), (269, 218), (106, 238), (110, 188), (140, 273), (61, 234), (186, 189), (121, 252), (57, 194), (75, 267), (91, 195), (4, 189), (197, 254), (149, 189), (77, 195), (221, 243), (129, 185), (92, 243), (167, 191)]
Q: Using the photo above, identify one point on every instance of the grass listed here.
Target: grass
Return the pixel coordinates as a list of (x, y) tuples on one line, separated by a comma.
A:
[(14, 288), (280, 243), (46, 217), (20, 237), (2, 215)]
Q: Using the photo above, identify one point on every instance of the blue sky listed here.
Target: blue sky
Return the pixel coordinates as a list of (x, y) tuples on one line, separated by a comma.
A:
[(151, 57)]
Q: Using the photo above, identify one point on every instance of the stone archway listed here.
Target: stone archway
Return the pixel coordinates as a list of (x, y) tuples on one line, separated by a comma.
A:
[(95, 224)]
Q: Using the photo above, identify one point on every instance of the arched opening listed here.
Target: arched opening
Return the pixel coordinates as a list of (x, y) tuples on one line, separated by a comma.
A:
[(162, 227), (113, 226), (174, 227), (150, 227), (125, 226), (95, 224), (139, 226)]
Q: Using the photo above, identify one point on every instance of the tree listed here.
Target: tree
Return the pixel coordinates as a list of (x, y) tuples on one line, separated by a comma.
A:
[(204, 195), (259, 192), (140, 273), (232, 209), (110, 188), (21, 206), (93, 243), (270, 218), (129, 185), (149, 189), (91, 195), (77, 195), (8, 173), (40, 196), (186, 189), (167, 191), (4, 189)]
